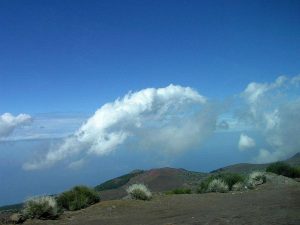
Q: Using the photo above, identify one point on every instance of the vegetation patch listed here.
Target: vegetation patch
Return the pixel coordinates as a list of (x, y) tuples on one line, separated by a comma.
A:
[(218, 185), (44, 207), (13, 208), (228, 178), (283, 169), (179, 191), (139, 192), (77, 198), (256, 178), (239, 186)]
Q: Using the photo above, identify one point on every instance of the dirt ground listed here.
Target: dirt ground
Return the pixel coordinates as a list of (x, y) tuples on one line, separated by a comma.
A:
[(270, 204)]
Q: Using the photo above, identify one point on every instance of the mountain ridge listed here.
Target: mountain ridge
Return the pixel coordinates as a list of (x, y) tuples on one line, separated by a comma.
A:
[(248, 167), (166, 178)]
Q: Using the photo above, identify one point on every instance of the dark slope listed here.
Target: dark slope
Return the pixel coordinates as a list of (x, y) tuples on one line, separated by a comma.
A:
[(117, 182), (248, 167)]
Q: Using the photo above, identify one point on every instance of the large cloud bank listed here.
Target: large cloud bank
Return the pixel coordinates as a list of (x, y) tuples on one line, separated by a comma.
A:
[(8, 123), (175, 119), (171, 119), (273, 108)]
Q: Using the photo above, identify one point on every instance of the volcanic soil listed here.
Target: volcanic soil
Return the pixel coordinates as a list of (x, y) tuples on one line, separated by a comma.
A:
[(276, 202)]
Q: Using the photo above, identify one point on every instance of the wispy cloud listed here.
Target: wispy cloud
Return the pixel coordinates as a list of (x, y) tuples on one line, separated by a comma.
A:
[(9, 123), (49, 125), (265, 156), (273, 108), (171, 120), (75, 165)]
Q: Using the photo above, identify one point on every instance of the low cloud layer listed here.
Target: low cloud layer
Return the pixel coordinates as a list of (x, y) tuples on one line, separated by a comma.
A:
[(245, 142), (176, 119), (273, 108), (49, 126), (8, 123), (168, 120)]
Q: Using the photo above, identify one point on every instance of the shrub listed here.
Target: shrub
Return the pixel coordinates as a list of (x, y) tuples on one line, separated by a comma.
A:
[(77, 198), (229, 178), (256, 178), (204, 184), (239, 186), (139, 191), (178, 191), (297, 168), (283, 169), (44, 207), (218, 185)]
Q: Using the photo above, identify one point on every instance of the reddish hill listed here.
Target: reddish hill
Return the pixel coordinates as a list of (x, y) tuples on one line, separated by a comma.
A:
[(158, 180)]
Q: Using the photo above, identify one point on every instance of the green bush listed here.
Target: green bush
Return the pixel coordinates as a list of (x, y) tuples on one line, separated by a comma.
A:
[(77, 198), (44, 207), (283, 169), (298, 169), (204, 184), (179, 191), (139, 192), (229, 178)]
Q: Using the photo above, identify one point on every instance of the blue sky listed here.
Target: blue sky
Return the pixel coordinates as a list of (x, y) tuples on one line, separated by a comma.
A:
[(79, 55), (66, 68)]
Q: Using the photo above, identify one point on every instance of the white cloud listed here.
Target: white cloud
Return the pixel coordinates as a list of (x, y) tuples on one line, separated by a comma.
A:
[(174, 119), (296, 80), (50, 125), (169, 120), (273, 109), (246, 142), (266, 156), (8, 123), (77, 164), (255, 93)]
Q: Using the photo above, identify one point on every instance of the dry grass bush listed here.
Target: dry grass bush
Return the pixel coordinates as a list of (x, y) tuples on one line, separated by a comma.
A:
[(218, 185), (44, 207), (139, 192)]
